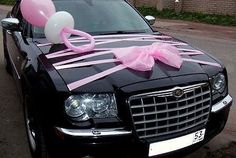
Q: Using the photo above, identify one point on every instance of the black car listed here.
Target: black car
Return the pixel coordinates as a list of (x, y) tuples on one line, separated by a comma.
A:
[(163, 112)]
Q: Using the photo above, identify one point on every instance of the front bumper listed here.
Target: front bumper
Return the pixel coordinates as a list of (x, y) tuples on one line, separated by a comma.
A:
[(121, 142), (94, 132), (222, 104)]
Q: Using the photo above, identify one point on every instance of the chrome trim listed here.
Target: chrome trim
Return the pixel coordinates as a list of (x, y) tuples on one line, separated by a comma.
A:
[(175, 109), (169, 92), (94, 132), (170, 102), (150, 19), (162, 114), (10, 24), (219, 106)]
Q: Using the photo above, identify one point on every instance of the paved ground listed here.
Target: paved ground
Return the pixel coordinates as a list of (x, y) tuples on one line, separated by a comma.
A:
[(220, 41), (192, 28), (13, 142)]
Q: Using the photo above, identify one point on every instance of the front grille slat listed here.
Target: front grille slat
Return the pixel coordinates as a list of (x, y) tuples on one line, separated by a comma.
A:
[(170, 125), (160, 113), (166, 92), (169, 118), (166, 133), (150, 105), (165, 111)]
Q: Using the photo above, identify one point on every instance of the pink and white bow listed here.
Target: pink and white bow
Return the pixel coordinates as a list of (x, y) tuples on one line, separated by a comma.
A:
[(143, 58), (136, 58), (139, 58)]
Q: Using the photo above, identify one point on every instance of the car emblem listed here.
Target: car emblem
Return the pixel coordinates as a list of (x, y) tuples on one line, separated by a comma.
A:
[(96, 132), (178, 93)]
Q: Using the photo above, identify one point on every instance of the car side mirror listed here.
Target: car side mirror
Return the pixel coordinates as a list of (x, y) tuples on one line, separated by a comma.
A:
[(150, 19), (11, 24)]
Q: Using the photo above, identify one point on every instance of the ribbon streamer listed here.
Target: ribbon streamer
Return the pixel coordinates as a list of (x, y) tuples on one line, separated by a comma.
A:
[(139, 58), (81, 49), (136, 58)]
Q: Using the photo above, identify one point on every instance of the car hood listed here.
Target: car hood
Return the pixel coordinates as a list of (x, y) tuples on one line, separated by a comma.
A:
[(125, 77)]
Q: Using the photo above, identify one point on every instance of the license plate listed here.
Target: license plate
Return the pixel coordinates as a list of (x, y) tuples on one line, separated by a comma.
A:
[(176, 143)]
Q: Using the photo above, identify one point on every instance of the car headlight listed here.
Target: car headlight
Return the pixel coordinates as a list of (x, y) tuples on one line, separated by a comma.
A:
[(218, 83), (86, 106)]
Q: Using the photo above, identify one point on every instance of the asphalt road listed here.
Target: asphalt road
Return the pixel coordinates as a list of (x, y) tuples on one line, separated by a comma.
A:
[(12, 131), (13, 142)]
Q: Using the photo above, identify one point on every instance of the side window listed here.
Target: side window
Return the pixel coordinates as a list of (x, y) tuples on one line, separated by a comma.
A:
[(16, 13), (24, 27), (15, 10)]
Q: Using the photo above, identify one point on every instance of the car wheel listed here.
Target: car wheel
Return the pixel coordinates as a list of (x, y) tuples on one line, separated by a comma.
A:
[(34, 131)]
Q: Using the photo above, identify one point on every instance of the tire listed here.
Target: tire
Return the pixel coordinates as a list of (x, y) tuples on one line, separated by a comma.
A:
[(34, 131)]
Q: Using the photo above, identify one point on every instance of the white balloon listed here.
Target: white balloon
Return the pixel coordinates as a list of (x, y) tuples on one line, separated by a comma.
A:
[(56, 23)]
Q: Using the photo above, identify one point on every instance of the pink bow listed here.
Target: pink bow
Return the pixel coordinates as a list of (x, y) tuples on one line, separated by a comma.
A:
[(143, 58)]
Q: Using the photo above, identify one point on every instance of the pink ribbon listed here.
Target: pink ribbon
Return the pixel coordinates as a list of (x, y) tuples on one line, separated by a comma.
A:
[(143, 58), (139, 58), (136, 58), (81, 49)]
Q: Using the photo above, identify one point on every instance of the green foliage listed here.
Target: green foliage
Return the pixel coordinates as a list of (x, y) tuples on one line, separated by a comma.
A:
[(7, 2), (197, 17)]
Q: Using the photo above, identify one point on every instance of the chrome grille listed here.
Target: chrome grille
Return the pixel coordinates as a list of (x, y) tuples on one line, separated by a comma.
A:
[(161, 113)]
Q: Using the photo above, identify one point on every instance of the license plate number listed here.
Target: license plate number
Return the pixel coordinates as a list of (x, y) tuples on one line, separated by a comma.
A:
[(170, 145)]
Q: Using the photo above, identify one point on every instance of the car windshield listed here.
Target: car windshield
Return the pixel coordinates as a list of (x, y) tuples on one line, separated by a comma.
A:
[(101, 17)]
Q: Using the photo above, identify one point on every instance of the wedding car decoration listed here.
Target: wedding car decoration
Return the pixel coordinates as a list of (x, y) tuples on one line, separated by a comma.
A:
[(140, 58), (43, 14)]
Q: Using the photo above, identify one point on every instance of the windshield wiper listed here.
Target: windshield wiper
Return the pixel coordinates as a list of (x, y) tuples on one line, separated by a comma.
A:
[(121, 32)]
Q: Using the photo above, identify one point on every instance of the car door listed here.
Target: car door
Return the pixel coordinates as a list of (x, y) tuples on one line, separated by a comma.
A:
[(14, 40)]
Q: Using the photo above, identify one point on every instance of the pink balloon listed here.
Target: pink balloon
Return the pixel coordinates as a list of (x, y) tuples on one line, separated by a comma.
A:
[(37, 12)]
